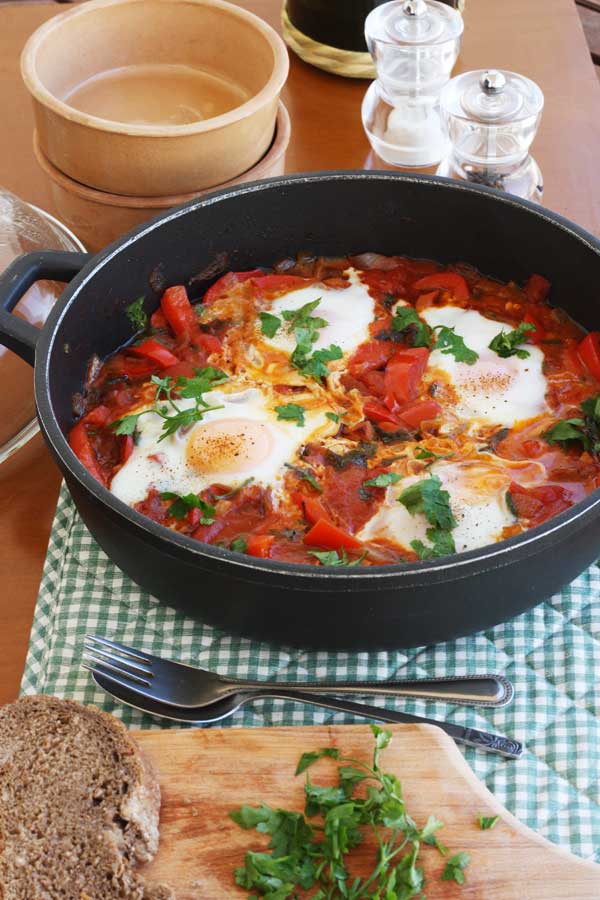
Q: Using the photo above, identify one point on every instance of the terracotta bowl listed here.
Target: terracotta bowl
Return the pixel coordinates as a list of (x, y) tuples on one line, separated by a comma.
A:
[(208, 39), (98, 218)]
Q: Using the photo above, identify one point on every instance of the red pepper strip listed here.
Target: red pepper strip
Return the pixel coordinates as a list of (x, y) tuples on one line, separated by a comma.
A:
[(534, 337), (447, 281), (312, 508), (259, 545), (208, 342), (151, 349), (324, 534), (377, 412), (126, 448), (194, 515), (158, 320), (273, 283), (178, 310), (415, 413), (589, 353), (100, 415), (403, 375), (537, 288), (135, 368), (80, 444), (227, 281)]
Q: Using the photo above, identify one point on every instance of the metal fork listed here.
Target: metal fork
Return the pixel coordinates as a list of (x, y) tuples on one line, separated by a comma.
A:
[(189, 687)]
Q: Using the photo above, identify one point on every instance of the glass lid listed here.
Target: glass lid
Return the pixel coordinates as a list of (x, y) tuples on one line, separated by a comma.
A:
[(24, 228)]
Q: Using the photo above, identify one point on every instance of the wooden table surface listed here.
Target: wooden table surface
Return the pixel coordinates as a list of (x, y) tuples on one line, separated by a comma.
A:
[(538, 38)]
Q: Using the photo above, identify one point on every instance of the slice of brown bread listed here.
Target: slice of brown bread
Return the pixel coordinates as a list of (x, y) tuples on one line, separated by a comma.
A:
[(79, 804)]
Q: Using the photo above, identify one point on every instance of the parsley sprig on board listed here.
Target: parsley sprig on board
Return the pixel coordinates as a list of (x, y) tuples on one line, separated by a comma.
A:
[(584, 429), (506, 343), (165, 404), (308, 855), (451, 343), (428, 497)]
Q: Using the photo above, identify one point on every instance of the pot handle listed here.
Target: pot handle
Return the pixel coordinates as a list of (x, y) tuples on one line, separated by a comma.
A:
[(54, 265)]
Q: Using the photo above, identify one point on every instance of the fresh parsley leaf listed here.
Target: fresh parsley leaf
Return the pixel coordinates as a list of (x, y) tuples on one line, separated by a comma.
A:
[(442, 544), (566, 430), (487, 822), (315, 366), (303, 318), (126, 425), (428, 834), (182, 505), (305, 475), (585, 429), (335, 417), (291, 411), (269, 324), (333, 558), (384, 479), (591, 408), (450, 343), (239, 545), (136, 314), (424, 453), (204, 380), (407, 321), (506, 343), (236, 490), (307, 759), (428, 497), (454, 868)]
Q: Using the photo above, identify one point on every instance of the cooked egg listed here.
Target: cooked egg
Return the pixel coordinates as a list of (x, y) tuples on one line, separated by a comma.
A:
[(478, 501), (241, 439), (492, 391), (348, 313)]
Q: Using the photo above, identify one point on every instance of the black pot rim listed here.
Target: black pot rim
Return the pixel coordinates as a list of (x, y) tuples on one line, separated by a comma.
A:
[(447, 568)]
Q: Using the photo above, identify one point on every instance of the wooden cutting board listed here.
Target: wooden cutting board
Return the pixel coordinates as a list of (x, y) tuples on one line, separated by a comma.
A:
[(206, 773)]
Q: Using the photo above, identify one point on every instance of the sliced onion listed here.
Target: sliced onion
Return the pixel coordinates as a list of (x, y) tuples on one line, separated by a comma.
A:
[(375, 261)]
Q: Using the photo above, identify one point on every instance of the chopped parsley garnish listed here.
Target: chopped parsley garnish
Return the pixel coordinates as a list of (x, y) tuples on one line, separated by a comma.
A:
[(333, 558), (511, 504), (384, 479), (136, 314), (428, 497), (417, 332), (291, 411), (166, 407), (487, 822), (311, 851), (454, 868), (584, 429), (424, 453), (507, 343), (305, 475), (335, 417), (315, 366), (239, 545), (442, 544), (234, 491), (183, 504), (450, 343), (305, 328), (269, 324)]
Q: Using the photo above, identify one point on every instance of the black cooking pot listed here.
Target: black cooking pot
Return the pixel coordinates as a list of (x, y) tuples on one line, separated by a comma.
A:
[(333, 213)]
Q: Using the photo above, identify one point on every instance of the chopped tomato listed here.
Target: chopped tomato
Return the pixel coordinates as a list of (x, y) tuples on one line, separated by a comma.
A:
[(425, 301), (537, 288), (312, 508), (101, 415), (158, 320), (183, 369), (209, 342), (393, 281), (415, 413), (277, 283), (370, 355), (589, 353), (81, 446), (446, 281), (536, 504), (135, 368), (374, 382), (178, 310), (380, 413), (324, 534), (403, 375), (158, 353), (259, 544), (126, 447), (224, 284)]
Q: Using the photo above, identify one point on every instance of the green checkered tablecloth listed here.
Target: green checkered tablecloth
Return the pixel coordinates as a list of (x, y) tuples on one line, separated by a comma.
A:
[(552, 654)]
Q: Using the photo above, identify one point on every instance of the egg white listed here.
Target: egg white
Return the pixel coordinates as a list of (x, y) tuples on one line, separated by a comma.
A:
[(492, 391), (348, 312), (169, 470), (477, 491)]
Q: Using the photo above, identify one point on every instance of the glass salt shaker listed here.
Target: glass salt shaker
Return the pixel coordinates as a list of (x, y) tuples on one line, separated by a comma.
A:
[(414, 45), (492, 117)]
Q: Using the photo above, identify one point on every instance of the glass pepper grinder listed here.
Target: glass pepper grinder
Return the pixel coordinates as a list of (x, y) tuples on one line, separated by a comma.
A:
[(414, 45), (492, 118)]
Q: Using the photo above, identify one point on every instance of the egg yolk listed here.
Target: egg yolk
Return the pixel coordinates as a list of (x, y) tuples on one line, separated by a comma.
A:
[(232, 445)]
